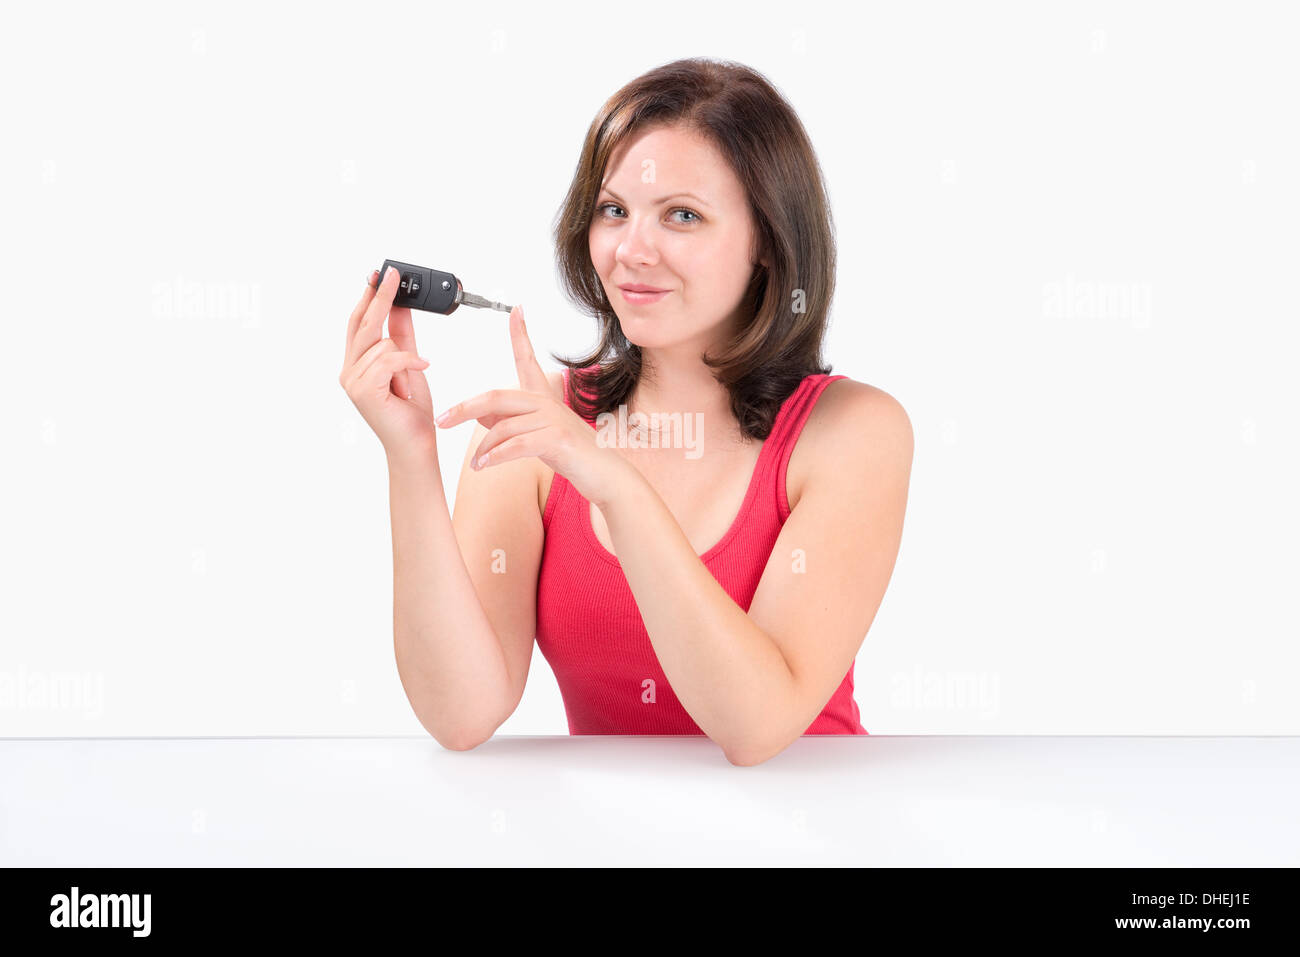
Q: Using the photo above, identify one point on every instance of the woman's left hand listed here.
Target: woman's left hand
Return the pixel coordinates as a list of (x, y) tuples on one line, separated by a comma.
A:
[(531, 421)]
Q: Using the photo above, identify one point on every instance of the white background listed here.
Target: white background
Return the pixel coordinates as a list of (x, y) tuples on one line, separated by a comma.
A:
[(1068, 246)]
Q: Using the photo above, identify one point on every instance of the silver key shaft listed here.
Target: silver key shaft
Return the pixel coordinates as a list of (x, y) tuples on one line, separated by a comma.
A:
[(478, 302)]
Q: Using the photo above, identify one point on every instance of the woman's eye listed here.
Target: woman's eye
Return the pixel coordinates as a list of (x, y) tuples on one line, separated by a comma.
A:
[(686, 222)]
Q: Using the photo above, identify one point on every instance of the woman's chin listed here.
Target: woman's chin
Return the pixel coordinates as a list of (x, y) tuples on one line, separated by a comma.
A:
[(666, 332), (647, 334)]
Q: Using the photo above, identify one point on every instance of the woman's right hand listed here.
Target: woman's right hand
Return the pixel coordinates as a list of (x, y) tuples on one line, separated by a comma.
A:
[(382, 376)]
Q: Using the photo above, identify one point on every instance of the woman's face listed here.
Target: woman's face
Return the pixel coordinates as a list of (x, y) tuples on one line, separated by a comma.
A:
[(672, 215)]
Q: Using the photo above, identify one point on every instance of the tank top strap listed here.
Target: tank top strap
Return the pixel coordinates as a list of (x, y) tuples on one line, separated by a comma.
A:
[(789, 424)]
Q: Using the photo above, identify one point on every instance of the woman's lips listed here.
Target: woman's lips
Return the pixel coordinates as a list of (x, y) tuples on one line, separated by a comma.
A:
[(642, 298)]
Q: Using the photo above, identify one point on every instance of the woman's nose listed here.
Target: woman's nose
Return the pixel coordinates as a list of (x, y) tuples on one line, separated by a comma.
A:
[(636, 247)]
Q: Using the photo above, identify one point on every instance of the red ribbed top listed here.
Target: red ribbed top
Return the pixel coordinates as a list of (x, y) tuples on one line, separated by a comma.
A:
[(590, 629)]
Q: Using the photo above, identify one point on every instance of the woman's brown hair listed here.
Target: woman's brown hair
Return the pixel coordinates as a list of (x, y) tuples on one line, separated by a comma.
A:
[(760, 136)]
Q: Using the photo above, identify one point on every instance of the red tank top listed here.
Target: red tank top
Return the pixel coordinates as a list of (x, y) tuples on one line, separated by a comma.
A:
[(590, 630)]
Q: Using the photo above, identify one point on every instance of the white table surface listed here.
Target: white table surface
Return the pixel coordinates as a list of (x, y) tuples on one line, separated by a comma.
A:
[(635, 800)]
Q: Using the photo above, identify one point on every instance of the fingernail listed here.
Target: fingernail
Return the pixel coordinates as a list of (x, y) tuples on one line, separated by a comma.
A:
[(443, 417)]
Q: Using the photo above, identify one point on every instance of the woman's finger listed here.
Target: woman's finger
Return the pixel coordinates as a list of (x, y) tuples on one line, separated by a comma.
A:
[(507, 428), (531, 376), (401, 331), (371, 324), (499, 402), (521, 446), (378, 376), (368, 357), (355, 319)]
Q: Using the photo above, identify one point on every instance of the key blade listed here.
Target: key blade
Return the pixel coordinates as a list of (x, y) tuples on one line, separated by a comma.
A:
[(478, 302)]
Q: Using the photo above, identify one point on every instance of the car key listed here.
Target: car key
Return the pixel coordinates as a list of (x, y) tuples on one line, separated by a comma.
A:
[(432, 290)]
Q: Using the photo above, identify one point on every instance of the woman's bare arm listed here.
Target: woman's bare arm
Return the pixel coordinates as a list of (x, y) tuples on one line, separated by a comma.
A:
[(462, 667), (448, 657), (465, 617)]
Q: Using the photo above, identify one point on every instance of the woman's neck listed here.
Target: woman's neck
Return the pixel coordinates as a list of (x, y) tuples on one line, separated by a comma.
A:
[(689, 389)]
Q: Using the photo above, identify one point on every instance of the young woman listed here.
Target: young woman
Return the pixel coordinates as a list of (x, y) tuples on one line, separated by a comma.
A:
[(717, 583)]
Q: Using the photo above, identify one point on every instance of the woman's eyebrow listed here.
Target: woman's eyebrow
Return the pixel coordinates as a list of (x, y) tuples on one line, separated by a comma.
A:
[(662, 199)]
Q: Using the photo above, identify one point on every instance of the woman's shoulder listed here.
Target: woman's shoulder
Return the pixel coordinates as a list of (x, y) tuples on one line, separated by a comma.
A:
[(847, 401), (855, 427)]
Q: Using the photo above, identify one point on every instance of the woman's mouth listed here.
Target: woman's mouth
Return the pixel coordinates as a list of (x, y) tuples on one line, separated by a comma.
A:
[(643, 295)]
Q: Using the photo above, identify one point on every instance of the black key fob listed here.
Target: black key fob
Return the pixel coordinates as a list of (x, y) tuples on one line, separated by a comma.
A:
[(422, 288)]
